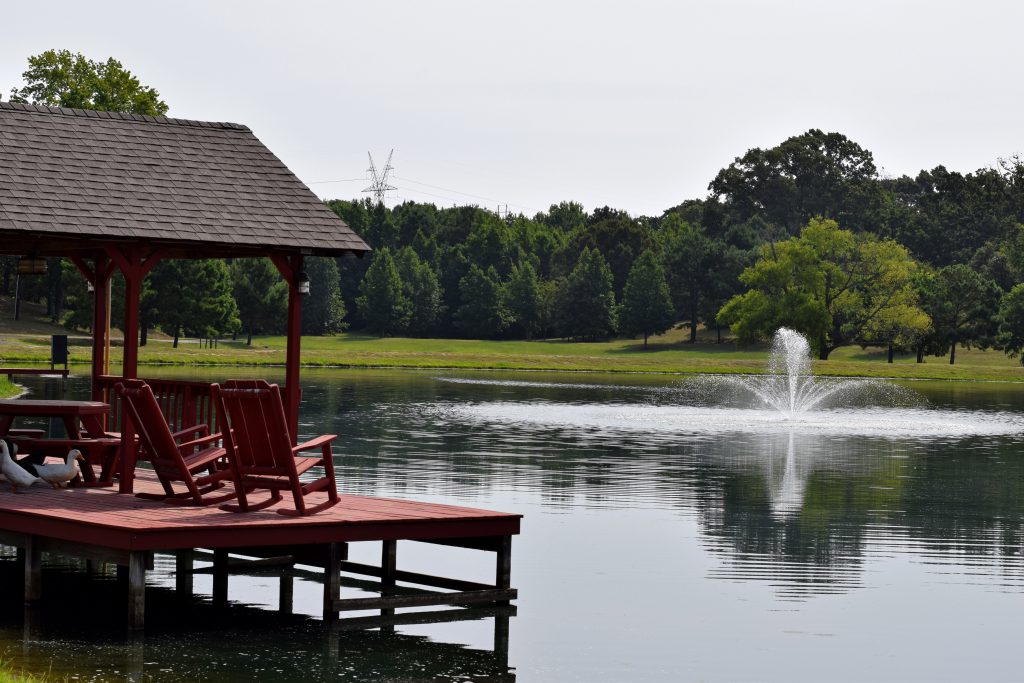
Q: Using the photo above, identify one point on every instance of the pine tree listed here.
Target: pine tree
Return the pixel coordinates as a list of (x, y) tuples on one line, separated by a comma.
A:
[(482, 314), (261, 295), (323, 312), (646, 301), (586, 306), (523, 299), (382, 301), (423, 290)]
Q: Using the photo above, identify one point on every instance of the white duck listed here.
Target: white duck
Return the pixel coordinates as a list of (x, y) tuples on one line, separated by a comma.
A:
[(16, 475), (57, 475)]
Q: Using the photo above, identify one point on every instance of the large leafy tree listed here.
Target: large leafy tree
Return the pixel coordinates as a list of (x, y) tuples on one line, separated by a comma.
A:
[(963, 307), (828, 283), (586, 304), (382, 301), (1010, 336), (60, 78), (814, 174), (646, 303)]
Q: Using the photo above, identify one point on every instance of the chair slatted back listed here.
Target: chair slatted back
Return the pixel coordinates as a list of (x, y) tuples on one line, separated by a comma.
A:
[(183, 403), (258, 442), (144, 410)]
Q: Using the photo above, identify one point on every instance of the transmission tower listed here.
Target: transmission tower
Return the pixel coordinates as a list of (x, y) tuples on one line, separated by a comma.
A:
[(379, 181)]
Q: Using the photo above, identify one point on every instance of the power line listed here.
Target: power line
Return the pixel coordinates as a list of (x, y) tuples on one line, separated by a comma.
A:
[(343, 180)]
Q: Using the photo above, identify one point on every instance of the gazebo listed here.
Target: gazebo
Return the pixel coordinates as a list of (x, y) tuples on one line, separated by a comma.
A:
[(114, 190)]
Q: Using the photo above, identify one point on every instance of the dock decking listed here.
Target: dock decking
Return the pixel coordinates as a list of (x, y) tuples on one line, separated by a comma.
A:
[(100, 524)]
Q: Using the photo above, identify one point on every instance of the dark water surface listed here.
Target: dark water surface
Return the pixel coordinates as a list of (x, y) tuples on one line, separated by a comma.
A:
[(664, 539)]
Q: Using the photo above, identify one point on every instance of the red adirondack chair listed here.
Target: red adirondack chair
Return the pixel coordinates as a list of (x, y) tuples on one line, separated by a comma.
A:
[(260, 450), (178, 456)]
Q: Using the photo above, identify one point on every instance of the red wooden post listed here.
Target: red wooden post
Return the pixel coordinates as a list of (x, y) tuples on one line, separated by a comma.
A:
[(101, 286), (135, 267), (290, 267)]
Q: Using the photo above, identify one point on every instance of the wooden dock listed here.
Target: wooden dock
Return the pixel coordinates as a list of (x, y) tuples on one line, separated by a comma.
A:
[(101, 525)]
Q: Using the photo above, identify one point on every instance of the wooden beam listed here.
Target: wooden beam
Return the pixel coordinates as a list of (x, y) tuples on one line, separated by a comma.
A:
[(388, 562), (416, 578), (293, 387), (494, 595), (220, 577), (432, 617), (183, 560)]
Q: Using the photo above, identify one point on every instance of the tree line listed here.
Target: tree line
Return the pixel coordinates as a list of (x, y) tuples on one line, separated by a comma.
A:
[(806, 234)]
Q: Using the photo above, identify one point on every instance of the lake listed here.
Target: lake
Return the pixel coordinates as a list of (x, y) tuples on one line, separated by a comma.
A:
[(664, 539)]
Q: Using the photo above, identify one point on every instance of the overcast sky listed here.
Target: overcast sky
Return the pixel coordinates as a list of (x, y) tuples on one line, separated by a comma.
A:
[(631, 104)]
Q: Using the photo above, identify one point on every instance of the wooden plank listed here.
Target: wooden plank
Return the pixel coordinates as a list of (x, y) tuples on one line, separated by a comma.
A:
[(432, 617), (332, 581), (183, 561), (220, 577), (388, 562), (426, 600), (416, 578)]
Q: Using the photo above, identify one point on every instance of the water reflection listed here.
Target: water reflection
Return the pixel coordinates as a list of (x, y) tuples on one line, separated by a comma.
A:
[(655, 533)]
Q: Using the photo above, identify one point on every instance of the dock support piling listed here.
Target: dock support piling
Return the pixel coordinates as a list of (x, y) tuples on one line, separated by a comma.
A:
[(332, 578), (183, 572), (388, 562), (286, 594), (503, 569), (220, 577), (33, 569), (136, 590)]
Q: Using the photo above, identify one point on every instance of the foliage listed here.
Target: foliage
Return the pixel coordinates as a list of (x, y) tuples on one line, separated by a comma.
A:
[(828, 283), (586, 304), (646, 302), (482, 314), (962, 305), (261, 296), (382, 301), (423, 290), (194, 298), (1010, 333), (323, 311), (523, 300), (58, 78)]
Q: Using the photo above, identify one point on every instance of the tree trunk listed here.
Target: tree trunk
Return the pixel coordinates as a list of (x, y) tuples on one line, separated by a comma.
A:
[(645, 340), (17, 297), (891, 353), (177, 334), (719, 328), (693, 328), (952, 353), (823, 354), (143, 329), (248, 341), (920, 354)]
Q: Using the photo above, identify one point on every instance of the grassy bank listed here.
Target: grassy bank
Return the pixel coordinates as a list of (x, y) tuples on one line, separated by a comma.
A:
[(666, 354)]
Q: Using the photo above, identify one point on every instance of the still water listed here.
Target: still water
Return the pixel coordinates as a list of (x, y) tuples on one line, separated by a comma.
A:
[(665, 539)]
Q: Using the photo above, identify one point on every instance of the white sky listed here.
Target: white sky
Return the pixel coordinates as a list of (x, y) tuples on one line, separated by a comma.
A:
[(632, 104)]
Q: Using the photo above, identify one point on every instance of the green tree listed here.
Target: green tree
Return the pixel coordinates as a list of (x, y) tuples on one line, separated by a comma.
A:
[(828, 283), (382, 301), (261, 295), (586, 305), (523, 299), (962, 305), (814, 174), (646, 303), (194, 298), (323, 312), (1010, 334), (482, 314), (60, 78), (423, 291)]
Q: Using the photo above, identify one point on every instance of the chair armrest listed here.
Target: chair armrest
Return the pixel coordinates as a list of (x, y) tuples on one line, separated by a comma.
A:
[(312, 444), (204, 441), (202, 429)]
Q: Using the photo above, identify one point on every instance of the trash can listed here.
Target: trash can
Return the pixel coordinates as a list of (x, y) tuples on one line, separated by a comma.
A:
[(59, 350)]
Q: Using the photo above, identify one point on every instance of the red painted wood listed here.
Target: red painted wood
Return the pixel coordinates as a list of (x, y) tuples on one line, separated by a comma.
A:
[(293, 390), (101, 517), (101, 285)]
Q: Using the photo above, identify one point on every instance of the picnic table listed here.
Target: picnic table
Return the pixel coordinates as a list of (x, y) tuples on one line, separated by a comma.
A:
[(83, 425)]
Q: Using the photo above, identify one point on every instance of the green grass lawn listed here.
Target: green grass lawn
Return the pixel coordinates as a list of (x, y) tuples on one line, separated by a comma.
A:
[(669, 353)]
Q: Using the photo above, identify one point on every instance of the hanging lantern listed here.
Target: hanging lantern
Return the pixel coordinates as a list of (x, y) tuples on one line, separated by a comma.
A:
[(31, 265), (302, 283)]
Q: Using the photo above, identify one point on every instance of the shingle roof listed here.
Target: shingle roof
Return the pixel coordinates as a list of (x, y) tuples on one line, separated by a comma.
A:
[(74, 173)]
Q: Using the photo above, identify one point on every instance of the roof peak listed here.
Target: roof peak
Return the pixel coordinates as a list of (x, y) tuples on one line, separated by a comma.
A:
[(121, 116)]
